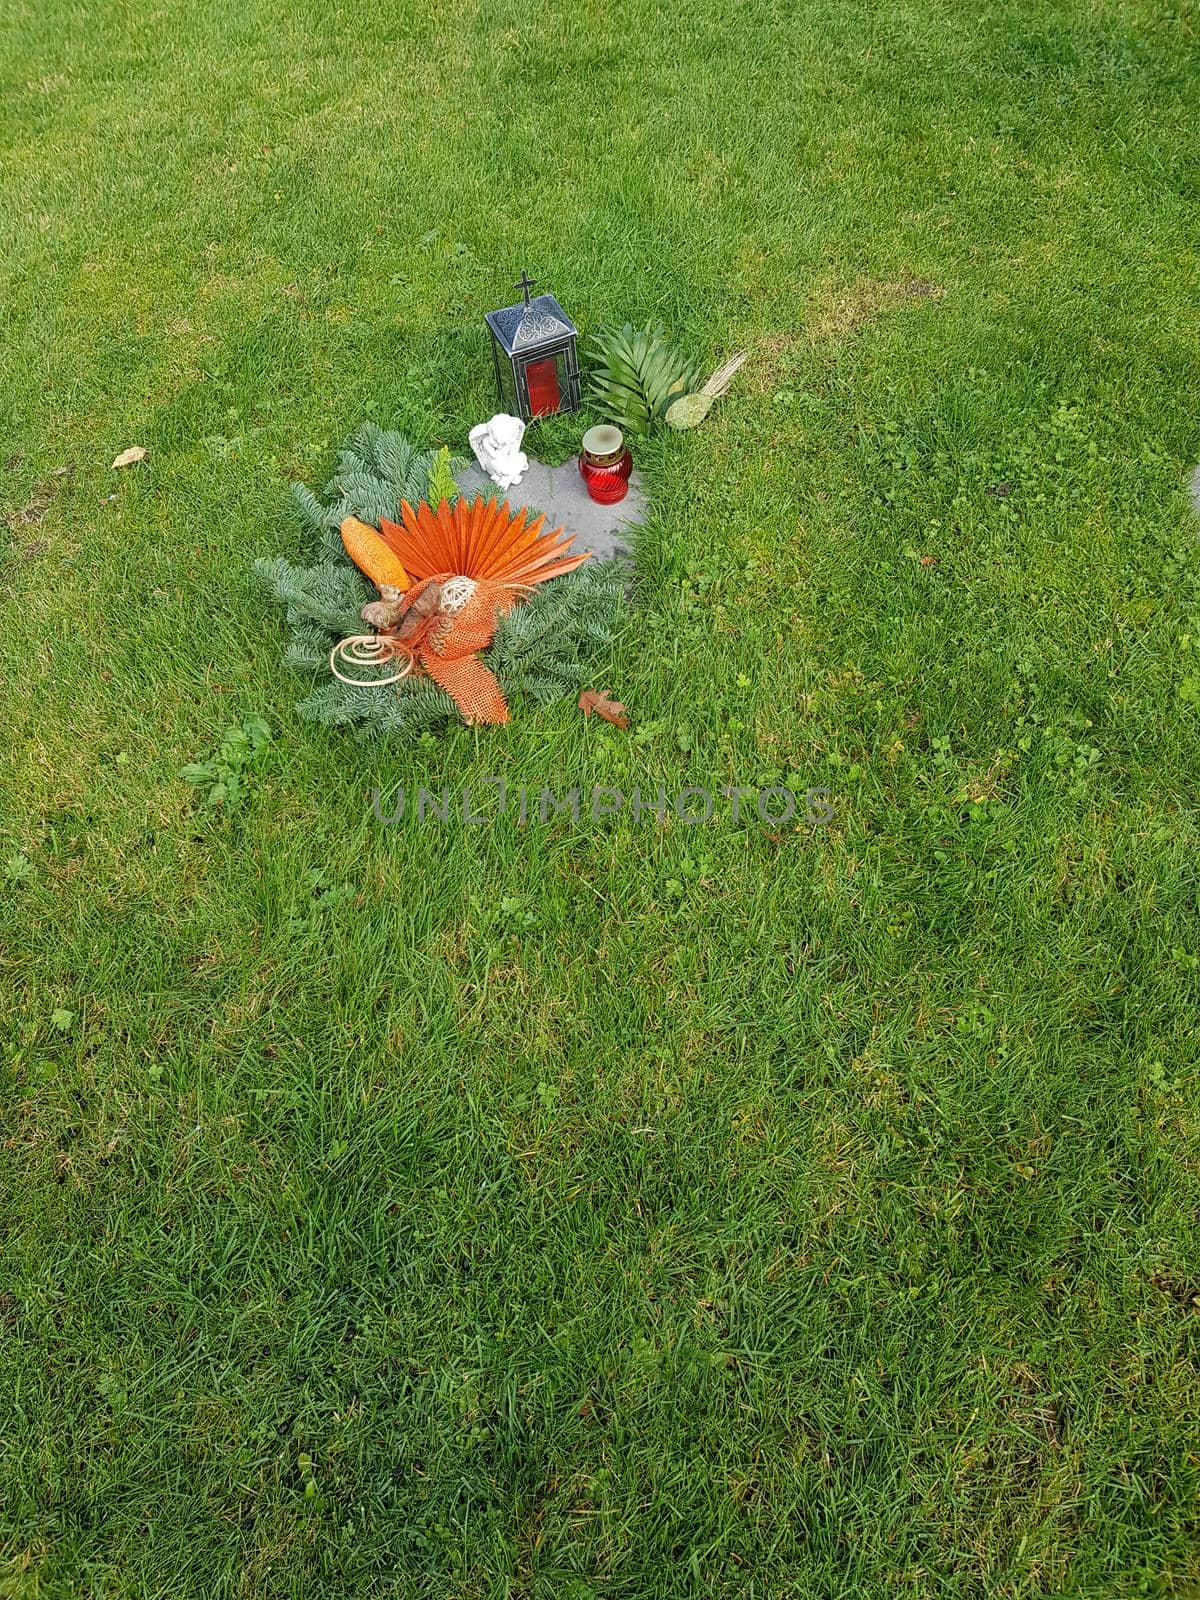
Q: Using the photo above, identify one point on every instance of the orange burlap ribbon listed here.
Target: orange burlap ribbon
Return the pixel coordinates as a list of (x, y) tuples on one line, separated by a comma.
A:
[(446, 641)]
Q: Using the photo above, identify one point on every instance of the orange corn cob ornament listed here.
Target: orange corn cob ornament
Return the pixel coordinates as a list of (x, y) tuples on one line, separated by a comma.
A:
[(370, 554)]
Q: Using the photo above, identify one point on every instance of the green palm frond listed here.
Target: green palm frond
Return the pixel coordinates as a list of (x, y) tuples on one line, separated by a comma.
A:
[(636, 375)]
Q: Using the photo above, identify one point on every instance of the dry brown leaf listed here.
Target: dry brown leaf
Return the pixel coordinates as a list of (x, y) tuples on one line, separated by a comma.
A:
[(599, 701), (131, 457)]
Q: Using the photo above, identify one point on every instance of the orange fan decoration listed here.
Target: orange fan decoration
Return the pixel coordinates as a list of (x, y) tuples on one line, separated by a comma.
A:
[(484, 541), (471, 564)]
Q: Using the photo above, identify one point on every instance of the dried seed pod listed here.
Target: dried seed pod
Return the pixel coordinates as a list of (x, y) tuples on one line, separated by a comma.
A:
[(383, 614), (426, 605)]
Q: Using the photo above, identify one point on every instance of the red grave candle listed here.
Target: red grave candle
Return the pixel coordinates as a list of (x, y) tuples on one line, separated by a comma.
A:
[(605, 464), (542, 378)]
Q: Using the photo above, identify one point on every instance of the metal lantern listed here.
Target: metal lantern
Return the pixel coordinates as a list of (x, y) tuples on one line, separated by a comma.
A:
[(533, 346)]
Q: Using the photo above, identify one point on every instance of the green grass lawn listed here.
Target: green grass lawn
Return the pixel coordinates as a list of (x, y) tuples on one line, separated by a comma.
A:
[(608, 1210)]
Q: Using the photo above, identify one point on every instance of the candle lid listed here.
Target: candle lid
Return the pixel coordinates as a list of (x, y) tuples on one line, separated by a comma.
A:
[(603, 440)]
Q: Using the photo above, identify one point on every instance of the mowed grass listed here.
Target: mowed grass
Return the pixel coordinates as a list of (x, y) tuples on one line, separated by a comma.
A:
[(609, 1210)]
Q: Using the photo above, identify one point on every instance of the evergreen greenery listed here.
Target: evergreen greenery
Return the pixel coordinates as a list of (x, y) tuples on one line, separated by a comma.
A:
[(375, 471), (441, 484), (543, 650)]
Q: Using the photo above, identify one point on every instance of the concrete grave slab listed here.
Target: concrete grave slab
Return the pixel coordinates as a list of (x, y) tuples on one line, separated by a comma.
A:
[(559, 492)]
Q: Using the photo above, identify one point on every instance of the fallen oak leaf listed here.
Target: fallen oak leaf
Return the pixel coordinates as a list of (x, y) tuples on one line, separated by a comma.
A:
[(599, 701), (131, 457)]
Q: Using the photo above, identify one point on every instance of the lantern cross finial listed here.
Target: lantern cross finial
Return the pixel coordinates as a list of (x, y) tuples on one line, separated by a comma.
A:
[(525, 283)]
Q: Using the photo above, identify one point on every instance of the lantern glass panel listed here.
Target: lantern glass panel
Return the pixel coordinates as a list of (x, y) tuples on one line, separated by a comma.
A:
[(508, 385)]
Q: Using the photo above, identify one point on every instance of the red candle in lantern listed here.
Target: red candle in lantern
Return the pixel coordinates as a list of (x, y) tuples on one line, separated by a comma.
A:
[(542, 378)]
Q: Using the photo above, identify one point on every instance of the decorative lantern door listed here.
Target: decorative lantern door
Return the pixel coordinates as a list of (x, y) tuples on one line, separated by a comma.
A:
[(534, 350)]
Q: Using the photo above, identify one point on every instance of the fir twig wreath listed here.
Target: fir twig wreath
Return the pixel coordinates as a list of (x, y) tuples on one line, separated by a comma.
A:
[(544, 648)]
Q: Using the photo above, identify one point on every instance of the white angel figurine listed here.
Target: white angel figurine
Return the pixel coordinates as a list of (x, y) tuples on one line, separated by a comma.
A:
[(497, 447)]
